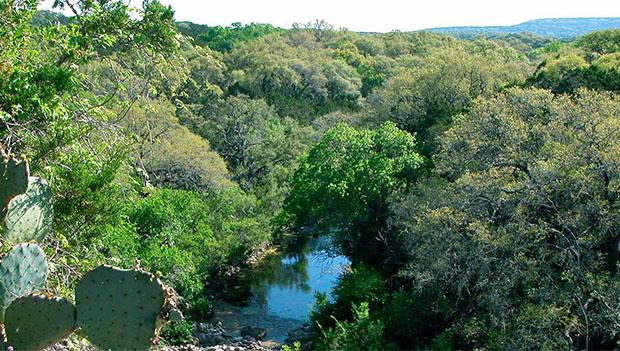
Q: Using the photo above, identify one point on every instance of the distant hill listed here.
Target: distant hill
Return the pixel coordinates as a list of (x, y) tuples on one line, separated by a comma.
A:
[(559, 28), (48, 18)]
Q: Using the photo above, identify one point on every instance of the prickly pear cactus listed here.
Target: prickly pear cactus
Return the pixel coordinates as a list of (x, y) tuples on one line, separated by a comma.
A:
[(13, 180), (118, 309), (23, 271), (29, 215), (35, 322)]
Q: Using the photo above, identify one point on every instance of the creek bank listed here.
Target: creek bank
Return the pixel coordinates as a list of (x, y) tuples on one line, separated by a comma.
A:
[(234, 288), (275, 294), (214, 336), (268, 302), (206, 337), (270, 298), (237, 319)]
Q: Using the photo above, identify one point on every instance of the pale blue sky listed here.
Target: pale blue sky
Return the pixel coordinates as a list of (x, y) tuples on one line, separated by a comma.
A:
[(386, 15)]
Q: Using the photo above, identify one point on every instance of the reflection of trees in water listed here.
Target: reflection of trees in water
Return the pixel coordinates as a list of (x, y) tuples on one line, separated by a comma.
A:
[(328, 264), (291, 271), (323, 246), (288, 272)]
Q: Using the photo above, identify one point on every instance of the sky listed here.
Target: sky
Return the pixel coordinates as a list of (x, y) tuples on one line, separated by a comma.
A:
[(385, 15)]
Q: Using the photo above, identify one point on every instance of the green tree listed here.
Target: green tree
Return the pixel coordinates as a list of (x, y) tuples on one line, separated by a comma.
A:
[(425, 93), (190, 238), (590, 62), (601, 42), (344, 182), (168, 154), (225, 38), (251, 137), (362, 334), (299, 79), (521, 234)]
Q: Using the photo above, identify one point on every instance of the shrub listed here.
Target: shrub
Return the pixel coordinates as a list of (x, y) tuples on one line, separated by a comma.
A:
[(363, 284), (363, 333), (187, 237), (177, 333)]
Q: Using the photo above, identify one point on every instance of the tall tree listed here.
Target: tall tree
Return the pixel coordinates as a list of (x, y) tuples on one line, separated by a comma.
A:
[(344, 182)]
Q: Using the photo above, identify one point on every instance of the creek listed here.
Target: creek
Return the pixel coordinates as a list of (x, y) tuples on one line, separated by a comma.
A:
[(282, 288)]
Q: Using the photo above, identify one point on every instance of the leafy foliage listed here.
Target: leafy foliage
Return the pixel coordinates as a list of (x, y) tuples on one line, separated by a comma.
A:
[(601, 42), (594, 65), (530, 201), (188, 237), (289, 72), (225, 38), (345, 179), (361, 334), (424, 95)]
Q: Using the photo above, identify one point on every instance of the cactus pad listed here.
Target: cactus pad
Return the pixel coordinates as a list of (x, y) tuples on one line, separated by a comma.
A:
[(13, 180), (23, 271), (35, 322), (118, 309), (29, 215)]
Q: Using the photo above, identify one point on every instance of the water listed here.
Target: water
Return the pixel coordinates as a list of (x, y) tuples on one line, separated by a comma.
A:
[(282, 289), (284, 286)]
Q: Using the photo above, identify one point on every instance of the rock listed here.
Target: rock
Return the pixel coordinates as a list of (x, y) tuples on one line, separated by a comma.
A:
[(220, 340), (203, 338), (298, 334), (254, 332)]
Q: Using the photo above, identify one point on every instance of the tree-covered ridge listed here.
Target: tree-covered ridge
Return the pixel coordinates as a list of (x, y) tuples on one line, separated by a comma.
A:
[(221, 38), (47, 18), (558, 28), (592, 61)]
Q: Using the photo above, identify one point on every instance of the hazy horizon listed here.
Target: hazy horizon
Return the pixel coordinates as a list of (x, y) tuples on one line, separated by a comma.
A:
[(366, 16)]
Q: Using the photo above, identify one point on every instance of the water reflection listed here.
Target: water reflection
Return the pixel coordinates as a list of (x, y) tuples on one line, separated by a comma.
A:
[(284, 286)]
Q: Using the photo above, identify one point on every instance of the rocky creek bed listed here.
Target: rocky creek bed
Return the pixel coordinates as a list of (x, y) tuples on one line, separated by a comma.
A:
[(215, 337)]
